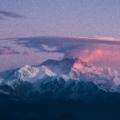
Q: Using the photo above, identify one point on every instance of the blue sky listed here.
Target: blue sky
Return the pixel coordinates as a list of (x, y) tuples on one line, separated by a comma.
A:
[(28, 18)]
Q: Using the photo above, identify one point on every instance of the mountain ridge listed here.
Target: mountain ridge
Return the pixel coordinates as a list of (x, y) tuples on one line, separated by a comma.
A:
[(66, 79)]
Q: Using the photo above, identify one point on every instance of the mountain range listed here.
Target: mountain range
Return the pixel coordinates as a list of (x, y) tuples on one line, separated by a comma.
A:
[(67, 79)]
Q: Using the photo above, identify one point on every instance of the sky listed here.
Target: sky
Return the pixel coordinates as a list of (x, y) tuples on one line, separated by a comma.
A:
[(87, 18), (17, 52), (50, 29)]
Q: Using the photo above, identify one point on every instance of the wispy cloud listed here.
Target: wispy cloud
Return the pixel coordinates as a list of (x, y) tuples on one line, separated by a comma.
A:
[(11, 14), (95, 38), (49, 48)]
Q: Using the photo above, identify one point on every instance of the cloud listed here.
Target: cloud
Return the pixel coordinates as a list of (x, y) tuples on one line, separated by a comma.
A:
[(7, 52), (11, 14), (98, 54), (96, 38), (100, 51), (104, 38), (49, 48)]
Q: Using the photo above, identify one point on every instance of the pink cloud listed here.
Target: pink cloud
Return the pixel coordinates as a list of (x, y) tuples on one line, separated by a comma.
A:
[(102, 56), (6, 52), (95, 38)]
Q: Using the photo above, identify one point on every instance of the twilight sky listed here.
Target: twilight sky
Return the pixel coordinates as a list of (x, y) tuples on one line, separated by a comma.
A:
[(27, 18)]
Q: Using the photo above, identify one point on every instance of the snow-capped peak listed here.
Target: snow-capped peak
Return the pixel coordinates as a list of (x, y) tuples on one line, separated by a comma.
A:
[(26, 72), (48, 71), (69, 69)]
